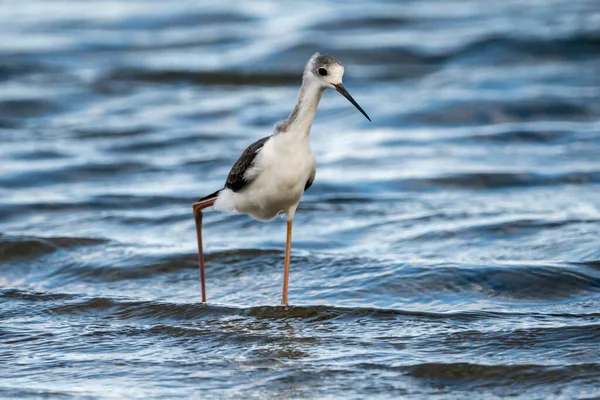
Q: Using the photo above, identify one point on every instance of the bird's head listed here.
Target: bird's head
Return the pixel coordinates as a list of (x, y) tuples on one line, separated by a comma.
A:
[(328, 72)]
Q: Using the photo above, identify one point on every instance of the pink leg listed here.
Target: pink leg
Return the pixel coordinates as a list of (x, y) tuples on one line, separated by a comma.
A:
[(198, 207), (286, 264)]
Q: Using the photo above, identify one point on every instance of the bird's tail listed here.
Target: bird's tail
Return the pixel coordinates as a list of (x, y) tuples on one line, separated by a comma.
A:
[(210, 196)]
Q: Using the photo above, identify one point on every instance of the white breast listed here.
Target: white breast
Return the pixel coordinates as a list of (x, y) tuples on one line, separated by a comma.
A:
[(278, 177)]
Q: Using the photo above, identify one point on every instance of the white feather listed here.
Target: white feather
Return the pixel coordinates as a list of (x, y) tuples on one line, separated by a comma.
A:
[(225, 201), (278, 178)]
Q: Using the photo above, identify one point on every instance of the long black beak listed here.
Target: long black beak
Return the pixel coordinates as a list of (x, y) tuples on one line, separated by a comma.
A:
[(342, 90)]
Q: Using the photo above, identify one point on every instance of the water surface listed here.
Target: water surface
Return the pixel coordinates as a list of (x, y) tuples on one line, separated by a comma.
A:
[(448, 249)]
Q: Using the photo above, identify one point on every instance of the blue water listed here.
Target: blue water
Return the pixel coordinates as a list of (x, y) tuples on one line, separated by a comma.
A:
[(449, 248)]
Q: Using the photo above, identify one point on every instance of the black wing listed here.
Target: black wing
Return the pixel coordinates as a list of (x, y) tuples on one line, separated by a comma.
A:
[(235, 179), (310, 180)]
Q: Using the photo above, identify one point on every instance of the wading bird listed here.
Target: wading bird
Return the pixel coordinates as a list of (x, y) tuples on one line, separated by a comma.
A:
[(271, 175)]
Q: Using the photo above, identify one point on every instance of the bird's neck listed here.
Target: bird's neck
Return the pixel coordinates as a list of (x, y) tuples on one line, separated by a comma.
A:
[(302, 116)]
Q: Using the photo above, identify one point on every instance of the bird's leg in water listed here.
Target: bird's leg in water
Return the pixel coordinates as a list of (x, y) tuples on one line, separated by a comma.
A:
[(286, 264), (198, 207)]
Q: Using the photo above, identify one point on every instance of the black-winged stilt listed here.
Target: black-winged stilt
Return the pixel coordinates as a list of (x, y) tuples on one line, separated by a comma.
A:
[(271, 175)]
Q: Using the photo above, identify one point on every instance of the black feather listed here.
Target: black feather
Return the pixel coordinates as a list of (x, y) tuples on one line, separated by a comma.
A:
[(310, 180), (236, 180), (211, 196)]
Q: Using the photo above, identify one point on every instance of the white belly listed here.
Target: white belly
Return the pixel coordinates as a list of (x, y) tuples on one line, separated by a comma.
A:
[(278, 178)]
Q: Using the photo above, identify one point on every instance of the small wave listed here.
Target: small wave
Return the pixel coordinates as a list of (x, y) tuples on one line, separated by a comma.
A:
[(234, 78), (594, 264), (522, 136), (32, 295), (520, 283), (502, 49), (478, 374), (89, 133), (161, 144), (9, 123), (11, 67), (26, 108), (134, 309), (502, 180), (124, 201), (499, 112), (223, 262), (13, 247), (166, 265), (232, 256), (504, 227), (24, 393), (143, 21), (101, 202), (73, 173), (362, 22), (39, 154)]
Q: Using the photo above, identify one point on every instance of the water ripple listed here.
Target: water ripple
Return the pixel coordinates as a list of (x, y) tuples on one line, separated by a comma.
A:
[(447, 249)]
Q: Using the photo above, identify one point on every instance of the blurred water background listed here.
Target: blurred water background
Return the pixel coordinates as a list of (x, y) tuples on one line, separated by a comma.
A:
[(450, 248)]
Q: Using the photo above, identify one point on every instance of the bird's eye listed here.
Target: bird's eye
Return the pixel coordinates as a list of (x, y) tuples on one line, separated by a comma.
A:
[(322, 71)]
